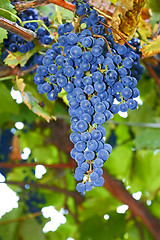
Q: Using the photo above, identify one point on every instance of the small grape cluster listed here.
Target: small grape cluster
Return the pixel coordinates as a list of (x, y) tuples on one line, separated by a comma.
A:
[(15, 43), (99, 80)]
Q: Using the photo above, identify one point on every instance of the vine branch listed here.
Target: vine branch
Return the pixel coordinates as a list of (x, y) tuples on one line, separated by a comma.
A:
[(20, 219), (21, 6), (13, 27), (117, 189), (54, 166), (78, 198)]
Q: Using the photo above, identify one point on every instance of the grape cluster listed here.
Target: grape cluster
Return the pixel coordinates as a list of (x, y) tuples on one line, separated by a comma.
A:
[(15, 43), (99, 82)]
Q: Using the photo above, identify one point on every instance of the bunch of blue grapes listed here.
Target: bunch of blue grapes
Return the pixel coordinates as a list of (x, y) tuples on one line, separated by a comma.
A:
[(99, 80), (15, 43)]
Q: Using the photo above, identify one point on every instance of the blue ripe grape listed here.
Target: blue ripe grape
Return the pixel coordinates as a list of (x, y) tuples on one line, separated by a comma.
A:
[(80, 146), (118, 86), (85, 166), (72, 38), (52, 95), (86, 136), (123, 107), (79, 112), (76, 52), (103, 154), (80, 97), (88, 186), (38, 79), (81, 126), (80, 158), (92, 145), (13, 47), (78, 73), (98, 163), (99, 171), (94, 176), (108, 147), (89, 155), (89, 89), (87, 80), (99, 118), (46, 87), (86, 117), (63, 41), (126, 93), (87, 56), (73, 103), (85, 104), (85, 66), (69, 87), (68, 71), (68, 27), (99, 182), (62, 81), (52, 69), (128, 62), (132, 104), (114, 108), (97, 76), (41, 32), (42, 70), (80, 187), (99, 87), (87, 42), (94, 100), (96, 50), (75, 137), (100, 107), (96, 134)]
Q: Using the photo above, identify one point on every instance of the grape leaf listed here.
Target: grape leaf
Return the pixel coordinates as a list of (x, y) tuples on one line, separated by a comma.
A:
[(3, 34), (31, 102), (13, 59), (152, 48), (7, 103), (126, 17), (5, 4), (148, 138), (31, 230)]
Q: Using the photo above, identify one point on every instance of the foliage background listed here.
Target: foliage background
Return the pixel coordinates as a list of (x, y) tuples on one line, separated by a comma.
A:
[(135, 159)]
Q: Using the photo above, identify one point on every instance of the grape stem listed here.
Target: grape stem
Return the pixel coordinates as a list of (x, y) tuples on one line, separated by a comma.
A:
[(21, 6), (106, 25), (78, 198), (13, 27), (106, 42)]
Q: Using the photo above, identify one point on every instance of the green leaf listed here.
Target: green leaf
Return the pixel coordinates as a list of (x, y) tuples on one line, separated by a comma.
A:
[(148, 138), (5, 4), (8, 105), (9, 231), (152, 48), (145, 172), (97, 228), (3, 34), (13, 59), (31, 102), (31, 230), (119, 160)]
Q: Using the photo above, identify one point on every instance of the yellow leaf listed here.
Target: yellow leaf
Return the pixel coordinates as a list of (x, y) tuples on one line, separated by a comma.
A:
[(152, 48), (31, 102), (126, 17)]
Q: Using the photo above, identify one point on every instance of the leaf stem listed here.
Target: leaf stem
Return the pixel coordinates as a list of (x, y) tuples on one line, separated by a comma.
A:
[(4, 10)]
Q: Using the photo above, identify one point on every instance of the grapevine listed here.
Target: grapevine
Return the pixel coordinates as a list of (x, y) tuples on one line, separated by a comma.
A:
[(100, 80), (98, 75)]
